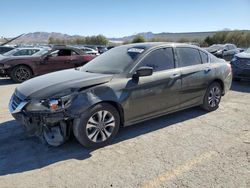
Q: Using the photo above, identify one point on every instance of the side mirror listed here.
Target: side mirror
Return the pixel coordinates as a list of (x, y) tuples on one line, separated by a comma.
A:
[(143, 71)]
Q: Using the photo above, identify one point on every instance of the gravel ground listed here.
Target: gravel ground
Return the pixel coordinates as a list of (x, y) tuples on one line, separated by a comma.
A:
[(190, 148)]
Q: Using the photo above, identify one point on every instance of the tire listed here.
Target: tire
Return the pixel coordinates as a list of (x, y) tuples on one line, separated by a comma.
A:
[(92, 131), (212, 97), (20, 73)]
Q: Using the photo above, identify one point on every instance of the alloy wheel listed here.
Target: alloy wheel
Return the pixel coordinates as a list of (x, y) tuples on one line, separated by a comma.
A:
[(100, 126), (22, 74), (214, 96)]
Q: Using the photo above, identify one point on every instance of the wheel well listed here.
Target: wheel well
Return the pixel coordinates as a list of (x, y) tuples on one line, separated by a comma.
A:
[(24, 66), (118, 108), (221, 84)]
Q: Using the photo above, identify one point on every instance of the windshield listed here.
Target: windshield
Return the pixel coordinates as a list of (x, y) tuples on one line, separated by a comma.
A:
[(248, 51), (114, 61), (41, 52), (216, 47)]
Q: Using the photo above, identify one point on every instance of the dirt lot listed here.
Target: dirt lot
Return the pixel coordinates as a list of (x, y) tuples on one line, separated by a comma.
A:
[(191, 148)]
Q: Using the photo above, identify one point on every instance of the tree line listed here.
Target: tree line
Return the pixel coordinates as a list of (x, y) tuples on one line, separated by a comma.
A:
[(89, 40), (239, 38)]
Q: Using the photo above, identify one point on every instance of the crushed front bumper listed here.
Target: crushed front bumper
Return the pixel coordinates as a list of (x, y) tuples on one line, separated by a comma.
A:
[(34, 122)]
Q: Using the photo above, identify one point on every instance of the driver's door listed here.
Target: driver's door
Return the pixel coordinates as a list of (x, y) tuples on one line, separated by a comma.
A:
[(156, 94)]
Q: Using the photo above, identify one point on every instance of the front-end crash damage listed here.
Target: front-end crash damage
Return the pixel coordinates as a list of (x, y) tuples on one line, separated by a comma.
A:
[(45, 118), (52, 119)]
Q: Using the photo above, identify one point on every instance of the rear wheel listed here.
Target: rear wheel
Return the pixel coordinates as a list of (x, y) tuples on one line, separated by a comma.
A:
[(212, 97), (20, 73), (98, 126)]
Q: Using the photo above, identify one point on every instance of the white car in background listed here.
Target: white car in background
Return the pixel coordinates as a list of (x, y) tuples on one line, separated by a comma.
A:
[(90, 51), (24, 51)]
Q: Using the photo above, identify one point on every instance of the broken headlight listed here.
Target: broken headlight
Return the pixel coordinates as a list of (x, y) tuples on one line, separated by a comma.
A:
[(51, 105)]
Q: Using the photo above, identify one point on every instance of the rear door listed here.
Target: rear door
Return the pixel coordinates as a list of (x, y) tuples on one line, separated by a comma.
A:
[(158, 93), (196, 74)]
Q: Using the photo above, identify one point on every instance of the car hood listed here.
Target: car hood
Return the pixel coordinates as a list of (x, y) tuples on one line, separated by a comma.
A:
[(243, 55), (46, 86)]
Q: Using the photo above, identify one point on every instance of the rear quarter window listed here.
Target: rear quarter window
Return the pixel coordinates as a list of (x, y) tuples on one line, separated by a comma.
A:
[(204, 57)]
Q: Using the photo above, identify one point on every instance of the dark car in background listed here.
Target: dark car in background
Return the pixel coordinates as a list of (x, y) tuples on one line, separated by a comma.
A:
[(4, 49), (125, 85), (21, 68), (241, 65), (102, 49), (224, 51)]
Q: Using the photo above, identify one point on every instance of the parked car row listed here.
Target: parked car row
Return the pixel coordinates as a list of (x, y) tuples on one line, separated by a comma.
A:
[(38, 61), (224, 51)]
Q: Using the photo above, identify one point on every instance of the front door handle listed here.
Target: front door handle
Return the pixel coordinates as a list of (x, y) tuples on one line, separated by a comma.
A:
[(174, 76)]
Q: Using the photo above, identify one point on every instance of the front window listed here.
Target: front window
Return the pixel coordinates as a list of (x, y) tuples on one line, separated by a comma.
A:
[(114, 61), (159, 60), (62, 52)]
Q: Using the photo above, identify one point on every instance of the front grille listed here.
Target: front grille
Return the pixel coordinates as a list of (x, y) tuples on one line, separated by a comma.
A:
[(245, 64)]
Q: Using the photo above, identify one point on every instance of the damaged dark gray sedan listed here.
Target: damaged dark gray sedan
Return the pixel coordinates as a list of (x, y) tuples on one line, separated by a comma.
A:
[(124, 86)]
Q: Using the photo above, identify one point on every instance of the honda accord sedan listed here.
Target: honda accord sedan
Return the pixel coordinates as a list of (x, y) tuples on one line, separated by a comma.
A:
[(123, 86)]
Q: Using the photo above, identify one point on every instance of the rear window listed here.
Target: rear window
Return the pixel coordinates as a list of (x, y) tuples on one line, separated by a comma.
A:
[(188, 56)]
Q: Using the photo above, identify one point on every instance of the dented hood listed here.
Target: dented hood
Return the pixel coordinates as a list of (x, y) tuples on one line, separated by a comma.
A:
[(48, 85)]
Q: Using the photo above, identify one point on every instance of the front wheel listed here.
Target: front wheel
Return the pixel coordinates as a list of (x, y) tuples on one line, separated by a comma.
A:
[(98, 126), (212, 97)]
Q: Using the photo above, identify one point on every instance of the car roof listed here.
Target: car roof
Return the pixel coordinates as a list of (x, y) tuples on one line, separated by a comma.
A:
[(149, 45)]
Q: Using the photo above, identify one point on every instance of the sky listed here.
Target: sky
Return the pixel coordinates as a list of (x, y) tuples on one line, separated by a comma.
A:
[(118, 18)]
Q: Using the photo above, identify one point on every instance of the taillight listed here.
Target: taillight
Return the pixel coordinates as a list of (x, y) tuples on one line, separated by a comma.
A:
[(88, 58)]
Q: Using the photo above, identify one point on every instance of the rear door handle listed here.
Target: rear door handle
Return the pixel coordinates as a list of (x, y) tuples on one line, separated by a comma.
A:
[(174, 76)]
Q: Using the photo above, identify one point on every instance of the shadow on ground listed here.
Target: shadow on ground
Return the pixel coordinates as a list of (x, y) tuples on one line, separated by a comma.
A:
[(20, 153), (241, 86)]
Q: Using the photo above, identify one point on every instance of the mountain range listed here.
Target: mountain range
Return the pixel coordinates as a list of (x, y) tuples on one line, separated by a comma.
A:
[(42, 37)]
